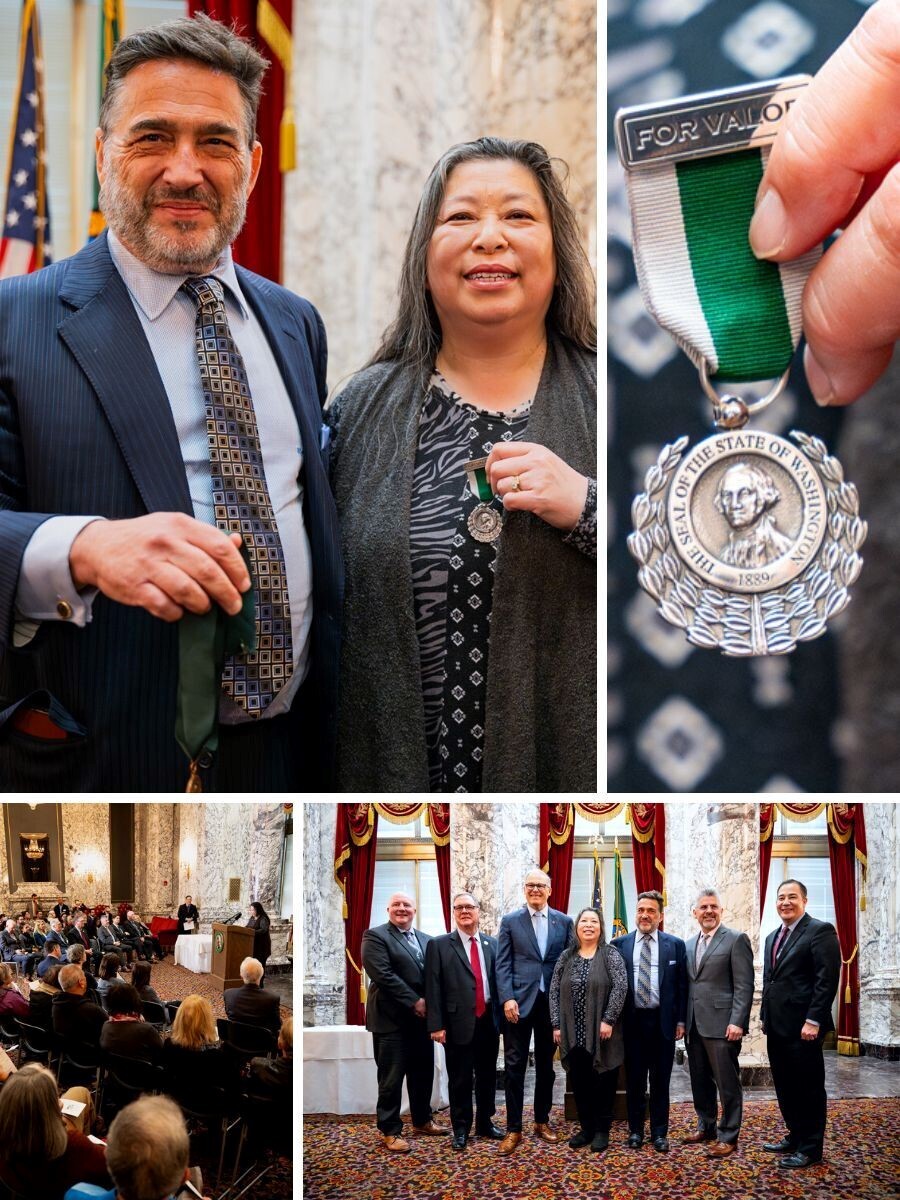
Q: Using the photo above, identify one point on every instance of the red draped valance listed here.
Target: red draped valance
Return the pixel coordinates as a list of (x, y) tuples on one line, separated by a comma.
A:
[(598, 812)]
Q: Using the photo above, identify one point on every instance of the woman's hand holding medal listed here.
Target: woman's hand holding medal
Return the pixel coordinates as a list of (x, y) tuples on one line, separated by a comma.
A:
[(836, 165), (531, 478)]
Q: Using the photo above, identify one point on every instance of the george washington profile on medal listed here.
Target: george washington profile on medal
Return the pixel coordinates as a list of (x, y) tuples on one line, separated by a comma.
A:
[(745, 497)]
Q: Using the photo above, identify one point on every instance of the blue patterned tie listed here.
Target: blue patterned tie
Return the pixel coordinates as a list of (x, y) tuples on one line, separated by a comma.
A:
[(241, 500), (643, 983)]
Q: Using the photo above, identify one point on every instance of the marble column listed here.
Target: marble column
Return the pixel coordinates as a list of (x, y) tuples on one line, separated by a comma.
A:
[(324, 984), (492, 848), (381, 90), (156, 861), (717, 845), (878, 930)]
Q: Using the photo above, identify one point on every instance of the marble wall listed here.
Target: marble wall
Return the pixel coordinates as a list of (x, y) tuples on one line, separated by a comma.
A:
[(156, 864), (879, 929), (322, 936), (492, 848), (381, 90), (86, 851)]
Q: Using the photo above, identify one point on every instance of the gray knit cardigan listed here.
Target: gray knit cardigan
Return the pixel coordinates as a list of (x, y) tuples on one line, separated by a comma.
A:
[(541, 718)]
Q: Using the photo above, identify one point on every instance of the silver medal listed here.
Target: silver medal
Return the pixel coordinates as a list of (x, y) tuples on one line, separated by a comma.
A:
[(747, 541), (485, 523)]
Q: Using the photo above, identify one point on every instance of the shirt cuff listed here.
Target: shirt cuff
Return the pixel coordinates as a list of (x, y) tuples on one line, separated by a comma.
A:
[(46, 591), (584, 536)]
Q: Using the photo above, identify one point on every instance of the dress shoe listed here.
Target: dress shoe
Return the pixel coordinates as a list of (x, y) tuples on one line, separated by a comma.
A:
[(395, 1143), (460, 1140), (543, 1131), (661, 1145), (721, 1150), (492, 1131), (797, 1159), (431, 1130), (509, 1143), (701, 1135), (782, 1147), (600, 1142), (635, 1141), (579, 1139)]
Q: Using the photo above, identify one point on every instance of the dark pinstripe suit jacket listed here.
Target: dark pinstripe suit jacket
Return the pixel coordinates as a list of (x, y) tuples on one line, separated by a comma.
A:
[(86, 427)]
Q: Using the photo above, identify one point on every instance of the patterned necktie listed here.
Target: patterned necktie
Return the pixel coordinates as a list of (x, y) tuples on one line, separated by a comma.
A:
[(479, 982), (413, 942), (643, 983), (241, 500), (779, 943), (702, 943)]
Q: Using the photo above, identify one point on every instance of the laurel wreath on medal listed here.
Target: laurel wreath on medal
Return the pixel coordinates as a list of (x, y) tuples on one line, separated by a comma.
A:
[(713, 618)]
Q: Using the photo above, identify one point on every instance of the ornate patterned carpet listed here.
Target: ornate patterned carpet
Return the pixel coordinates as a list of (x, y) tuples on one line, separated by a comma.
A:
[(342, 1160), (174, 983)]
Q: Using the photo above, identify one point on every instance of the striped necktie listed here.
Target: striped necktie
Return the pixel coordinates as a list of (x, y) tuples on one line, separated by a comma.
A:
[(643, 983), (241, 500)]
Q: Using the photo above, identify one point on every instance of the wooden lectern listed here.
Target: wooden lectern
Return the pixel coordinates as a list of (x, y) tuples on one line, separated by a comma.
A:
[(231, 944)]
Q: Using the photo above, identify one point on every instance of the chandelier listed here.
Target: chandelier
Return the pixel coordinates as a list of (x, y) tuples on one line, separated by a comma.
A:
[(33, 850)]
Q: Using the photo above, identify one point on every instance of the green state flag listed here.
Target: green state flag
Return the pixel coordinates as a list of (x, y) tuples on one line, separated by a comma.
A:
[(112, 27), (620, 922)]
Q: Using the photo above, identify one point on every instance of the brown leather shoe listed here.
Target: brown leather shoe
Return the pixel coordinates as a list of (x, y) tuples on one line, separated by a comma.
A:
[(721, 1150), (692, 1138), (509, 1143), (546, 1134), (395, 1143), (431, 1130)]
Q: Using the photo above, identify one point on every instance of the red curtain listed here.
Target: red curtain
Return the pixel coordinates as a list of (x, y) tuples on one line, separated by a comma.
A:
[(355, 839), (648, 846), (556, 845), (258, 246), (766, 827), (438, 820), (846, 844)]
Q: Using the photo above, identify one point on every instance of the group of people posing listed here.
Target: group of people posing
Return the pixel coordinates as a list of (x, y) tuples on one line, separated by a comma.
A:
[(422, 551), (602, 1004)]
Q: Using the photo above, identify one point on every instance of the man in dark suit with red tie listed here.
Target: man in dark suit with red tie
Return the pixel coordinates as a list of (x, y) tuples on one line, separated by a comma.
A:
[(801, 972), (460, 998), (393, 956)]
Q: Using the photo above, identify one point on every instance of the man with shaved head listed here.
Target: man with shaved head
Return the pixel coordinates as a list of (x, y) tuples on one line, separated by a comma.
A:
[(393, 956)]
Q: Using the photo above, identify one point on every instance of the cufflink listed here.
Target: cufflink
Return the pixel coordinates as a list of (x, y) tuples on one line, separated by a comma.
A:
[(64, 609)]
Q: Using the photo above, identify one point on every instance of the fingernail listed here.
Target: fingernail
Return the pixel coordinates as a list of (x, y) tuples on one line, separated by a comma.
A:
[(819, 384), (768, 229)]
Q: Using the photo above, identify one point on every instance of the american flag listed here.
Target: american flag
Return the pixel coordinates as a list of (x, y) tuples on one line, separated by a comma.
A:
[(25, 245)]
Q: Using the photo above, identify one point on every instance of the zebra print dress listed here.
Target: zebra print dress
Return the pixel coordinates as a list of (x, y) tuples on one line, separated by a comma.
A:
[(453, 578)]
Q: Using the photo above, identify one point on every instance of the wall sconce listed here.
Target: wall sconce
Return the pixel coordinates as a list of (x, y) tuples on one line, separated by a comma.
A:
[(188, 857)]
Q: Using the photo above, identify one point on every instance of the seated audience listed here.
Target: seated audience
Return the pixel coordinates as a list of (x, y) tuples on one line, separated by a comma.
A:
[(12, 947), (124, 935), (274, 1077), (40, 931), (12, 1002), (126, 1032), (56, 935), (138, 930), (52, 954), (192, 1055), (147, 1150), (42, 1158), (109, 973), (76, 1018), (140, 981), (40, 1001), (110, 942), (249, 1004)]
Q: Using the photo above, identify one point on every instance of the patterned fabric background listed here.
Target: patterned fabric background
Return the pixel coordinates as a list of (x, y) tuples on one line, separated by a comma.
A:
[(684, 719)]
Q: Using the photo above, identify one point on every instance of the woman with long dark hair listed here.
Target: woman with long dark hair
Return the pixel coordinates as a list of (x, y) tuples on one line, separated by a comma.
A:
[(587, 995), (463, 464), (262, 941)]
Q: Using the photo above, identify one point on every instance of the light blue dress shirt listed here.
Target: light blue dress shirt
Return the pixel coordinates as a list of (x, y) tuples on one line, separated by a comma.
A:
[(168, 318)]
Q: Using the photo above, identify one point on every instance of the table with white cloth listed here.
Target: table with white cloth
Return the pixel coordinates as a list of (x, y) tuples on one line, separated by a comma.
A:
[(339, 1072), (194, 951)]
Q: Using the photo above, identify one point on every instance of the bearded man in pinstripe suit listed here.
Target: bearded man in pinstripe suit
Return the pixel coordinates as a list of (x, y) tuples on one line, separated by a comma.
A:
[(111, 527)]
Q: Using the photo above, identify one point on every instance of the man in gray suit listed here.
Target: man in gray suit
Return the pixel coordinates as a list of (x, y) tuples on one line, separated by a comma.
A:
[(720, 995)]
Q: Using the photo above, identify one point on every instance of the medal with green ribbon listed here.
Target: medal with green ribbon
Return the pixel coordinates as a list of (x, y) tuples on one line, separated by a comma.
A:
[(484, 521), (747, 541)]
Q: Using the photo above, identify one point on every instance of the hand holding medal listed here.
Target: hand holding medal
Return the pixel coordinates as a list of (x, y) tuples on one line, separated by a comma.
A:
[(748, 542), (531, 478)]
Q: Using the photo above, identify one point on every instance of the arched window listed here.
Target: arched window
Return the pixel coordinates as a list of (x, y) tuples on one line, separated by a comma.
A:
[(404, 862)]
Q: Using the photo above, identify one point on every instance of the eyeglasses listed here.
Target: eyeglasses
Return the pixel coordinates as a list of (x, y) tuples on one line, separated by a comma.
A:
[(465, 907), (536, 887)]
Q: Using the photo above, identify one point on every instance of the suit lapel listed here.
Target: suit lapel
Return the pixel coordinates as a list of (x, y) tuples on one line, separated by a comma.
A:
[(404, 943), (456, 942), (716, 939), (660, 960), (107, 341), (797, 935), (529, 925)]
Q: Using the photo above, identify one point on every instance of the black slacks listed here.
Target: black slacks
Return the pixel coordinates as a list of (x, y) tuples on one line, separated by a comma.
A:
[(516, 1039), (473, 1061), (713, 1064), (407, 1053), (647, 1054), (594, 1091), (798, 1072)]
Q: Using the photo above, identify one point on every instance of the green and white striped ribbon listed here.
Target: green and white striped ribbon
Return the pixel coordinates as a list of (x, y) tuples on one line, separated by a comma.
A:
[(696, 271), (478, 480)]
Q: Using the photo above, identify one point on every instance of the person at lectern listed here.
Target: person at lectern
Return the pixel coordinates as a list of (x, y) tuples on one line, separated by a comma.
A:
[(188, 916), (262, 942)]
